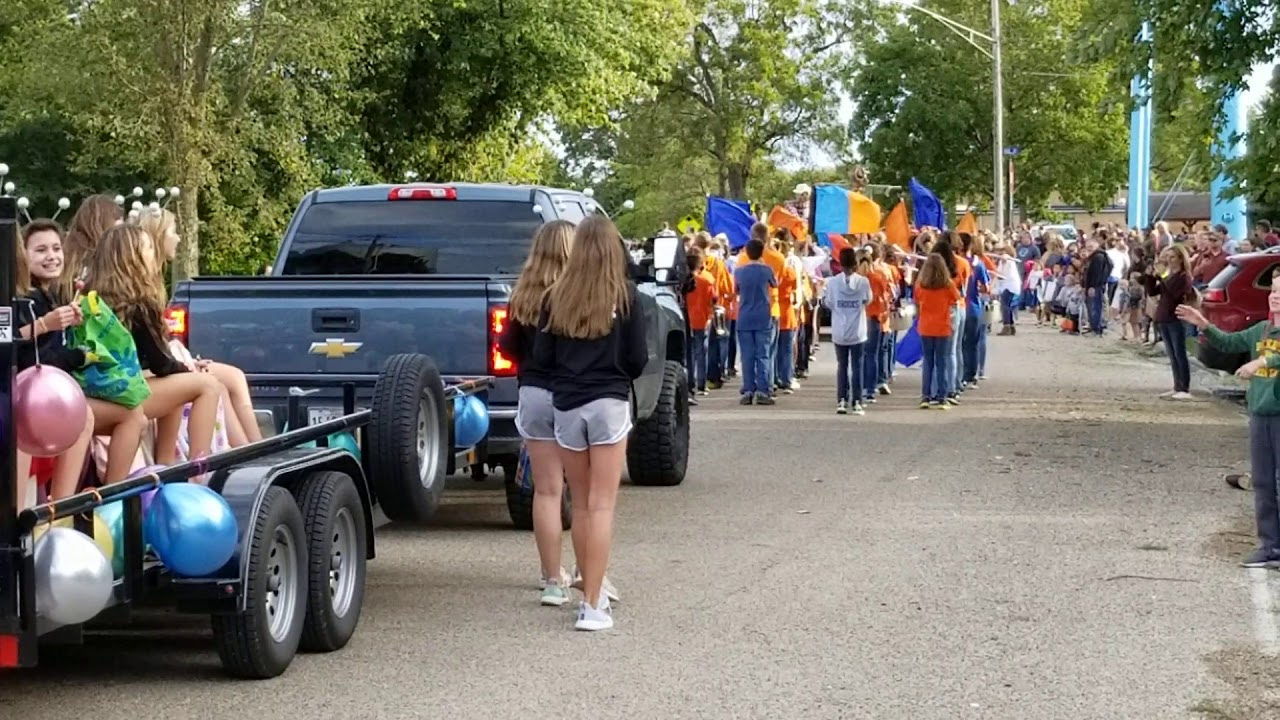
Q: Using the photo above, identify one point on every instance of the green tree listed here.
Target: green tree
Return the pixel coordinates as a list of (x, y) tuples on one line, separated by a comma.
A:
[(924, 105), (1259, 169)]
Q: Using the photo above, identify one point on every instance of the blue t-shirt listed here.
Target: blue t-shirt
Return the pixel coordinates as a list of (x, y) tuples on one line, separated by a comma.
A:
[(753, 281), (979, 275)]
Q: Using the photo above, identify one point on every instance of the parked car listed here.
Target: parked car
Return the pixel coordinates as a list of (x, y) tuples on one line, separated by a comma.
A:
[(1237, 299)]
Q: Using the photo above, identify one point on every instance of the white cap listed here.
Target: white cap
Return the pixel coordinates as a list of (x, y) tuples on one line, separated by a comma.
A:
[(722, 237), (802, 189)]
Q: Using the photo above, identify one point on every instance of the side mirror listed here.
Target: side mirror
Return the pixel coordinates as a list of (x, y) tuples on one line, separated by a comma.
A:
[(664, 252)]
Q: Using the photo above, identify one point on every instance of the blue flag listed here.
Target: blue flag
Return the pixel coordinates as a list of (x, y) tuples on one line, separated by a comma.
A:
[(925, 207), (910, 348), (731, 217)]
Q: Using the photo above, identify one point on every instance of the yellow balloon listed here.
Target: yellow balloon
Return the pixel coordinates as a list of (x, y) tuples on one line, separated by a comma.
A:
[(101, 533)]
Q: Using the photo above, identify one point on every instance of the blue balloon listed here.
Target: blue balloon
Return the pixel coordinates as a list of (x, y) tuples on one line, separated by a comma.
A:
[(470, 421), (191, 528), (345, 440), (112, 515)]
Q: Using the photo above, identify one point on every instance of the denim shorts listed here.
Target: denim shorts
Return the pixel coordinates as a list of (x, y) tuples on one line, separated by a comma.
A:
[(535, 416), (606, 421)]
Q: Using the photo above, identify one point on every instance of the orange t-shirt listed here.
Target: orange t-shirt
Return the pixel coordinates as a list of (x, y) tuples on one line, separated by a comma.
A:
[(776, 262), (881, 293), (961, 280), (787, 319), (702, 301), (934, 310), (720, 273)]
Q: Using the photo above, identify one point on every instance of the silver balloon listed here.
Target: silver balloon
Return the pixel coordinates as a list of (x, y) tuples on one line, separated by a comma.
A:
[(73, 577)]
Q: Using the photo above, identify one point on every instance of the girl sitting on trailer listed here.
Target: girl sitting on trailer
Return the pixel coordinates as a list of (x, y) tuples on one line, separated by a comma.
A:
[(40, 268), (122, 271)]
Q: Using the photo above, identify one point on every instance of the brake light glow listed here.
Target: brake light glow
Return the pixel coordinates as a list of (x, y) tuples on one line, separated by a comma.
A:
[(1217, 295), (420, 192), (175, 318), (499, 364), (8, 651)]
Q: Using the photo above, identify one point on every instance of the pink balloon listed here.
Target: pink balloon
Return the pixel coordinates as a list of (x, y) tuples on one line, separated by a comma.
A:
[(49, 409)]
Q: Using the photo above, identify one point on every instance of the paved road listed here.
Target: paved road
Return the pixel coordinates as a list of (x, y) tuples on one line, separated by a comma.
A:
[(1060, 547)]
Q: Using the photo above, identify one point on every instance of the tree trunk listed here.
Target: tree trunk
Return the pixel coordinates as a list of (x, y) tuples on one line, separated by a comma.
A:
[(187, 262), (737, 179)]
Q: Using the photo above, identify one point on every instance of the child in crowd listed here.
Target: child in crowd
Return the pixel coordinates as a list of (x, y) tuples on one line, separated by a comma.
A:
[(754, 282), (935, 296), (1031, 288), (1133, 299), (1262, 342), (1072, 299), (846, 297), (700, 303)]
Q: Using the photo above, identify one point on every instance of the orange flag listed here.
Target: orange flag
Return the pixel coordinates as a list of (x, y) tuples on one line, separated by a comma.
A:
[(967, 224), (864, 214), (896, 227), (780, 217)]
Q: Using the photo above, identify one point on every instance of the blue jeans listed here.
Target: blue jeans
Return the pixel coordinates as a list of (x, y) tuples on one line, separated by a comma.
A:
[(972, 322), (955, 350), (773, 353), (872, 351), (849, 373), (886, 358), (935, 384), (893, 352), (785, 363), (1008, 310), (698, 370), (982, 348), (1174, 336), (1095, 298), (754, 345)]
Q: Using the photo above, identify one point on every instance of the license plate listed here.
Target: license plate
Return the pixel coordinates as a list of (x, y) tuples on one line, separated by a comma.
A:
[(318, 415)]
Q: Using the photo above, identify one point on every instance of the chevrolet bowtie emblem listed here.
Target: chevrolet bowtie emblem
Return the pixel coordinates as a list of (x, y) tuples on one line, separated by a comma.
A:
[(334, 348)]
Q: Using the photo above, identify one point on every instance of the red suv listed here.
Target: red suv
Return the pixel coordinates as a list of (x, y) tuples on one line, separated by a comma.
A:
[(1237, 299)]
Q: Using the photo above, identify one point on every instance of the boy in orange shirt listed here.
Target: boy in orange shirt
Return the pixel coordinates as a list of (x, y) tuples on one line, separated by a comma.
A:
[(874, 355), (700, 304), (785, 357)]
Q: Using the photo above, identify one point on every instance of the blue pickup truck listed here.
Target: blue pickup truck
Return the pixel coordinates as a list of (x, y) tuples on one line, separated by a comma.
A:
[(365, 273)]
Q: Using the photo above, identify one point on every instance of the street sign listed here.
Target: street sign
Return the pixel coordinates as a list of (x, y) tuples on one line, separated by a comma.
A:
[(1012, 151)]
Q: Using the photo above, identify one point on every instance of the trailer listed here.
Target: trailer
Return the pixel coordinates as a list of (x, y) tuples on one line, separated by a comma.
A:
[(305, 515)]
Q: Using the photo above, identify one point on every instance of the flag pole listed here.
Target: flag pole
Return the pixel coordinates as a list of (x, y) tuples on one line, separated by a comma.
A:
[(998, 113)]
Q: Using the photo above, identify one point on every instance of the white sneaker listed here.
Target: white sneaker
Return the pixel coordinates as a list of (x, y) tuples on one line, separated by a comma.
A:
[(593, 619), (606, 587), (1182, 396), (555, 594), (842, 407), (795, 384), (564, 578), (1167, 395), (858, 409)]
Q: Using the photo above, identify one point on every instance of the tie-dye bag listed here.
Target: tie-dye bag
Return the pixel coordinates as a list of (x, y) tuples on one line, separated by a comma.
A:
[(111, 370)]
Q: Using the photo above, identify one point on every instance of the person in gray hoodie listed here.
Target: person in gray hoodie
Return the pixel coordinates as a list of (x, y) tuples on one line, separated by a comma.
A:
[(846, 296)]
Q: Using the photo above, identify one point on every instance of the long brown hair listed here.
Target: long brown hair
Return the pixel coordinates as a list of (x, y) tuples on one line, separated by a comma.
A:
[(1179, 252), (22, 281), (122, 271), (158, 223), (934, 275), (593, 288), (546, 261), (95, 216)]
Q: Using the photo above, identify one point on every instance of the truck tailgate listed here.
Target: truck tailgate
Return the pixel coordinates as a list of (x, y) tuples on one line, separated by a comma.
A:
[(340, 325)]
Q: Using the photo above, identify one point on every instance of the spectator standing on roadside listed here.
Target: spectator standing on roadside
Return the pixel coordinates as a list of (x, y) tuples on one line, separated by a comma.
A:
[(1027, 251), (1173, 289), (1262, 342), (1118, 254), (1097, 271), (1211, 261)]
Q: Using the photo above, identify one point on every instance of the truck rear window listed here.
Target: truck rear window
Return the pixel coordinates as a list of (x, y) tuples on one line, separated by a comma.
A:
[(477, 237)]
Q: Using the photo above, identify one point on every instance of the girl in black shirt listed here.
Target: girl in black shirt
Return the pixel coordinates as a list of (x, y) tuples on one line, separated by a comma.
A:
[(535, 416), (122, 270), (40, 269), (592, 340)]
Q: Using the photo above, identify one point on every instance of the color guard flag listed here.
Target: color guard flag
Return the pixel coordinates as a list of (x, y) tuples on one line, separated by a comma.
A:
[(896, 227), (925, 206), (731, 217), (967, 224), (836, 210), (780, 217)]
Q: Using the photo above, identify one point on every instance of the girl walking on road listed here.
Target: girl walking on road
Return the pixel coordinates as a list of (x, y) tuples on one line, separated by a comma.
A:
[(936, 297), (535, 415), (592, 340)]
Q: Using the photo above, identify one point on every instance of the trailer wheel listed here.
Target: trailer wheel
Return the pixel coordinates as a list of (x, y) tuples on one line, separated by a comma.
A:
[(261, 641), (658, 451), (408, 438), (520, 502), (336, 548)]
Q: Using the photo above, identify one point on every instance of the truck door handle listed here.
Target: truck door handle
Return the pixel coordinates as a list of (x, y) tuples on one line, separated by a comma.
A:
[(335, 320)]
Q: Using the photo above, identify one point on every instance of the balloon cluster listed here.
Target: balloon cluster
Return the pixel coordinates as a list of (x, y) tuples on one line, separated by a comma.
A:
[(163, 196)]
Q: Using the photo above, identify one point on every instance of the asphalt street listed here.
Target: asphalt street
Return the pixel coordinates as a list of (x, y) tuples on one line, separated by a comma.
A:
[(1060, 547)]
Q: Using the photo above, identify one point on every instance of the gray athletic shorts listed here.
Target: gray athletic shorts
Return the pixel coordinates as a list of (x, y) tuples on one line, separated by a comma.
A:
[(600, 422), (535, 416)]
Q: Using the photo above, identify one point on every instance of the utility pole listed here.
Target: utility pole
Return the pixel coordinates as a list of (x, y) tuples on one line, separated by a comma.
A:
[(997, 85)]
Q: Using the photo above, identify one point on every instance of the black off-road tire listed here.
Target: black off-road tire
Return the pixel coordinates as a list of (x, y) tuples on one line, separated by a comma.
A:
[(658, 451), (520, 502), (336, 536), (407, 475), (244, 640)]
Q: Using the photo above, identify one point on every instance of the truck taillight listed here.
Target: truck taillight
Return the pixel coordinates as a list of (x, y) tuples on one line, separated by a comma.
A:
[(175, 318), (1215, 295), (499, 364), (422, 192)]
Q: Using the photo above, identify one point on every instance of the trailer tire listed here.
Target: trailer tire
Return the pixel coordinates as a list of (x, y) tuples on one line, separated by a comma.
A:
[(658, 451), (261, 641), (408, 438), (337, 550), (520, 502)]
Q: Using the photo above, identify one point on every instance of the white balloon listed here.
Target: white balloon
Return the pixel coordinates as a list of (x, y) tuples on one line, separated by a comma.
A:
[(73, 578), (134, 215), (589, 192), (629, 205), (175, 191), (23, 203), (63, 203), (4, 169), (160, 193), (120, 200), (537, 209), (155, 207), (137, 205), (137, 192), (9, 187)]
